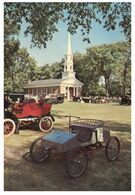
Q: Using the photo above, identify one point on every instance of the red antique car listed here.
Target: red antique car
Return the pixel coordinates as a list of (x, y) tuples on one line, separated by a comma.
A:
[(26, 113)]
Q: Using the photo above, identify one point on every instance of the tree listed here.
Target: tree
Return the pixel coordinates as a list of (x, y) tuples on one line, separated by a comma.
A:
[(110, 62), (25, 69), (87, 72), (57, 69), (19, 67), (21, 72), (42, 18), (11, 47), (124, 68), (104, 57)]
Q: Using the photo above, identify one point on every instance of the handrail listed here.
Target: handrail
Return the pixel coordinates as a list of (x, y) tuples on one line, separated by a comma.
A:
[(67, 116)]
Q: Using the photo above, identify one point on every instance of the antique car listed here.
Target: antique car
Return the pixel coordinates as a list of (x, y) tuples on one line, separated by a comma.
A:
[(74, 146), (55, 98), (27, 113), (125, 100)]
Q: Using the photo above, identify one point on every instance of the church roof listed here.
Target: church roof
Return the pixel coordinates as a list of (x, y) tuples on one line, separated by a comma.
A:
[(44, 83), (72, 81), (53, 82)]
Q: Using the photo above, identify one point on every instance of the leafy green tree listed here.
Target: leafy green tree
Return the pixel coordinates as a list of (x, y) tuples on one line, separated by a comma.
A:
[(105, 60), (48, 71), (86, 72), (11, 47), (113, 64), (42, 18), (123, 72), (23, 70), (19, 67), (57, 69), (45, 72), (110, 62)]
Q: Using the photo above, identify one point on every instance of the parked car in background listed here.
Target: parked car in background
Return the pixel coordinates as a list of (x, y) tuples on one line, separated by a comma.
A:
[(125, 100), (55, 98)]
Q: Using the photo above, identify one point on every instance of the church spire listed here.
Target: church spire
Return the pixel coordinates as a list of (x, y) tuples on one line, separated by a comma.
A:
[(68, 65), (69, 45), (69, 57)]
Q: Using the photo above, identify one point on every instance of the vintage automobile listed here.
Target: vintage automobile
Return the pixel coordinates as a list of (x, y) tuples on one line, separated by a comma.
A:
[(55, 98), (27, 113), (73, 147), (125, 100)]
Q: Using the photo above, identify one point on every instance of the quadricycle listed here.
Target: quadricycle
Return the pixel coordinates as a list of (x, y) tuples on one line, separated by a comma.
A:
[(74, 146)]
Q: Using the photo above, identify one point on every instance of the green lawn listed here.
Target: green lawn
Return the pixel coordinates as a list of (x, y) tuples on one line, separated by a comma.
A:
[(111, 112), (117, 117), (101, 175)]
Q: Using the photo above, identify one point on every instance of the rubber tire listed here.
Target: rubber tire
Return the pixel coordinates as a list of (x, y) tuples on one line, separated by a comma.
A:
[(10, 122), (70, 159), (107, 148), (50, 126), (44, 156)]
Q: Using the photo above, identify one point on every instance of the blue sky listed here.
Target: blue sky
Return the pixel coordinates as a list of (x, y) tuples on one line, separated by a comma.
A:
[(57, 48)]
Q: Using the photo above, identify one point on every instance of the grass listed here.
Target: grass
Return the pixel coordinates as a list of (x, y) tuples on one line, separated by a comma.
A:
[(101, 175), (112, 112), (116, 117)]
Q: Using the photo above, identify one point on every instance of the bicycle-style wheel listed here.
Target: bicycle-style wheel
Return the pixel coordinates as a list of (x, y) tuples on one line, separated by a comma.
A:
[(45, 124), (112, 149), (76, 162), (38, 152), (9, 127)]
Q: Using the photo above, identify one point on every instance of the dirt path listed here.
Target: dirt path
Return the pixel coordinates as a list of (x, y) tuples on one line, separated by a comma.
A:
[(101, 175)]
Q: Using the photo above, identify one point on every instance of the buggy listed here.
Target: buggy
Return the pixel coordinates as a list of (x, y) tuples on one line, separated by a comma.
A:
[(84, 136)]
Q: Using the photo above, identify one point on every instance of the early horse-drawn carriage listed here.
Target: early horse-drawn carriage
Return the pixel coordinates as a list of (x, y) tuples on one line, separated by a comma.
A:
[(26, 113)]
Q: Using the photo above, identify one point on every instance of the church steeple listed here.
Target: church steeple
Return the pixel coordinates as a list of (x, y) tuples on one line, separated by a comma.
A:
[(68, 65), (69, 51)]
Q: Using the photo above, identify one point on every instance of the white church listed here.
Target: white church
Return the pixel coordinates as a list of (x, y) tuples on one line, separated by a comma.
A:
[(68, 84)]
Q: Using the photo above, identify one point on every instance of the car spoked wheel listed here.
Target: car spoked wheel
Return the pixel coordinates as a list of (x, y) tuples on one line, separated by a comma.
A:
[(76, 162), (112, 149), (38, 152), (45, 124), (9, 127)]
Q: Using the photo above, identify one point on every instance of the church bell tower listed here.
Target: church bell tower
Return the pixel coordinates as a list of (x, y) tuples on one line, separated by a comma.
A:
[(68, 65)]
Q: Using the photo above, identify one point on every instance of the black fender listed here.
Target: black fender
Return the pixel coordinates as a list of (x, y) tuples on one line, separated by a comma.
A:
[(53, 119), (10, 115), (49, 115)]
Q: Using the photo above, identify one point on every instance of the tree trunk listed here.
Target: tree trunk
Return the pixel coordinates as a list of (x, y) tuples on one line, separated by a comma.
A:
[(12, 78), (107, 85), (124, 78)]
